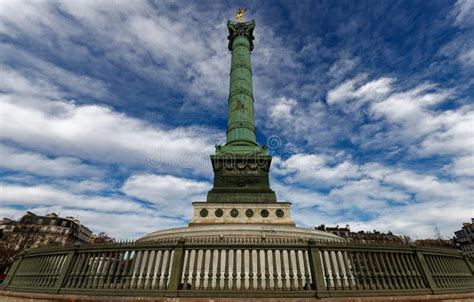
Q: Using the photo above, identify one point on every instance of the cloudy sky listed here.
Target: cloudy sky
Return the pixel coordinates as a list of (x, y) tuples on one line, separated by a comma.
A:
[(109, 110)]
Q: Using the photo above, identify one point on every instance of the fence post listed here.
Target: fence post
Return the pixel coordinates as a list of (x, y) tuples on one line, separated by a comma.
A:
[(425, 270), (469, 264), (177, 268), (317, 270), (11, 272), (64, 271)]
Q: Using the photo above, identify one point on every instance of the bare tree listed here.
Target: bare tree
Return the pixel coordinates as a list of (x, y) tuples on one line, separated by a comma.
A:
[(102, 237), (406, 239), (22, 239), (438, 234)]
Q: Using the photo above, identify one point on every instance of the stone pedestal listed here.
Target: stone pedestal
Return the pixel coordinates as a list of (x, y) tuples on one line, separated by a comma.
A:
[(240, 178), (241, 213)]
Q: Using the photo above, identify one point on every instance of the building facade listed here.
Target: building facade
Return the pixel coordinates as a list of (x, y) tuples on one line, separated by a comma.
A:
[(465, 238), (361, 236), (33, 230)]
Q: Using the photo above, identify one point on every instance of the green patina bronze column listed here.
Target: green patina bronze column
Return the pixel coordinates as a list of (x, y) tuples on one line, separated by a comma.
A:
[(241, 166), (241, 122)]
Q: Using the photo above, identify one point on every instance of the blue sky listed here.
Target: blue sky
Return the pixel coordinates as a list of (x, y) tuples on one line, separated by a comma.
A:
[(109, 110)]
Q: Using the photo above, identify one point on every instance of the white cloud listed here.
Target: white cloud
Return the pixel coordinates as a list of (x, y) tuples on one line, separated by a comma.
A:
[(124, 225), (368, 193), (460, 50), (14, 81), (95, 133), (467, 57), (282, 110), (454, 135), (343, 65), (48, 195), (102, 135), (313, 122), (119, 216), (400, 200), (171, 47), (407, 118), (378, 115), (35, 163), (316, 170), (172, 195), (411, 111), (429, 188), (418, 220), (35, 77), (344, 91), (36, 115), (462, 166), (10, 212), (409, 105), (463, 13), (34, 17), (356, 89), (186, 56), (374, 90), (433, 201), (87, 186)]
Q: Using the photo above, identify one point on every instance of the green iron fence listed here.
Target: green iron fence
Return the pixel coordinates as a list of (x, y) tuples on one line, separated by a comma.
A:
[(241, 268)]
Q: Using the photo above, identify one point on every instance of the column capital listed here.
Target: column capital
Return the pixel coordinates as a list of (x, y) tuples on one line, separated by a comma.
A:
[(244, 29)]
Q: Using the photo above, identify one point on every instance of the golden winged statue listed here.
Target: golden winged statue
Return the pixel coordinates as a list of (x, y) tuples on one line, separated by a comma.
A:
[(239, 15)]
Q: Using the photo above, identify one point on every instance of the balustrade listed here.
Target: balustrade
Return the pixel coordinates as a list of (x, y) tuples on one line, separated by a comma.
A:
[(207, 267)]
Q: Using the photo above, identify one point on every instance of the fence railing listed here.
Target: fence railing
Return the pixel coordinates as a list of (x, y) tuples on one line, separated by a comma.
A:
[(241, 267)]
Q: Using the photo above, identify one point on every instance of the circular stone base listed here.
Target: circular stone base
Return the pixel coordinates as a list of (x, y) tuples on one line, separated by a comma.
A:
[(240, 231)]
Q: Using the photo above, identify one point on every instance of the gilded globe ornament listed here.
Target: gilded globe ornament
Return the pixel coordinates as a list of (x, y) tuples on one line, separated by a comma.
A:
[(239, 15)]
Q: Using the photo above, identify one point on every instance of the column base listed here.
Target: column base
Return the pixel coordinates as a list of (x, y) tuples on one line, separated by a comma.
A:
[(241, 213)]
